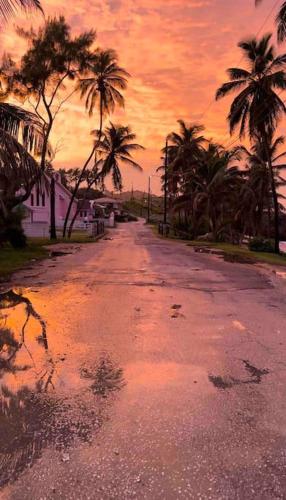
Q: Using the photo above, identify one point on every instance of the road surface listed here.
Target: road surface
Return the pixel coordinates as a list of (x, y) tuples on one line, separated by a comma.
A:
[(136, 368)]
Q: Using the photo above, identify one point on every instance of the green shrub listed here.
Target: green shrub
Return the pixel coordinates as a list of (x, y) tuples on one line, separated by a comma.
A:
[(261, 245)]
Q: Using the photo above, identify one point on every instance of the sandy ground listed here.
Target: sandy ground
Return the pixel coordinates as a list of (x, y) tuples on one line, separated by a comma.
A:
[(145, 371)]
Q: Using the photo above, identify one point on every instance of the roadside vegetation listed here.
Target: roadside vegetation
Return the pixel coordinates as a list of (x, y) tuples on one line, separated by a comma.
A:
[(233, 193), (235, 253), (13, 259), (55, 66), (219, 194)]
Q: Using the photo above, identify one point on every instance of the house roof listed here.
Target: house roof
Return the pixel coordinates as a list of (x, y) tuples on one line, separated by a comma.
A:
[(60, 185)]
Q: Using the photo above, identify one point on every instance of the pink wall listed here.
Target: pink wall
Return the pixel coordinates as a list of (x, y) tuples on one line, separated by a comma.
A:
[(39, 202)]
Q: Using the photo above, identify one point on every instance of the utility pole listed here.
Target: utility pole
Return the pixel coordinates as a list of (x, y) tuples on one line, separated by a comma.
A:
[(149, 199), (165, 182)]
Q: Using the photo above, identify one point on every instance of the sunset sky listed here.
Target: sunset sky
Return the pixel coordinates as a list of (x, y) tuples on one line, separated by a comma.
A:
[(176, 51)]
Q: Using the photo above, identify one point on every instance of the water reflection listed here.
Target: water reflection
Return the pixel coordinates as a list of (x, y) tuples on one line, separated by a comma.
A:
[(33, 414)]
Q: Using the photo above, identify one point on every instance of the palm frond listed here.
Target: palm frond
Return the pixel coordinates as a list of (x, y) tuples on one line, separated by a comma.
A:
[(22, 125), (8, 8)]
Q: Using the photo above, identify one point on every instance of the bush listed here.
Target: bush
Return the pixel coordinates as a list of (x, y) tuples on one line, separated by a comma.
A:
[(16, 237), (261, 245)]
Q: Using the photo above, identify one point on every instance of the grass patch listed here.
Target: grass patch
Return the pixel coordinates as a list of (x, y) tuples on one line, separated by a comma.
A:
[(12, 260), (77, 237), (240, 251)]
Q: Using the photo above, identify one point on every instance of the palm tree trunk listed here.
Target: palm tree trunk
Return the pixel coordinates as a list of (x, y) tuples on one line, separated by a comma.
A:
[(72, 222), (89, 186), (276, 211), (275, 198), (83, 170), (53, 232), (269, 220)]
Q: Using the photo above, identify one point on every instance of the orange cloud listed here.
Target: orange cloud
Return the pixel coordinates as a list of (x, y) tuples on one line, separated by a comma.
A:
[(177, 52)]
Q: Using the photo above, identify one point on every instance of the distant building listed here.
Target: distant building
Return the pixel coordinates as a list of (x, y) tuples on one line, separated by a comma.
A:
[(110, 204), (85, 211)]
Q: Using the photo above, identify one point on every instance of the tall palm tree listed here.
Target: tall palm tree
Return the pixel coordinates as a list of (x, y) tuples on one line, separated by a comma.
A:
[(185, 146), (217, 181), (8, 8), (102, 88), (182, 152), (258, 105), (258, 185), (116, 148), (280, 20)]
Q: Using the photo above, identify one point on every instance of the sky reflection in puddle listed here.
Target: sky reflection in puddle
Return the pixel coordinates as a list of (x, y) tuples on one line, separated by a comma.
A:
[(37, 406)]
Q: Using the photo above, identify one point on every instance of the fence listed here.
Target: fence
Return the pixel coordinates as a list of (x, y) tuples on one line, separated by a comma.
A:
[(42, 229)]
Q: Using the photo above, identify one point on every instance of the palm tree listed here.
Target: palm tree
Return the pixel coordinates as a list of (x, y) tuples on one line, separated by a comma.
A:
[(258, 106), (280, 20), (102, 88), (8, 8), (258, 183), (21, 136), (182, 152), (114, 147), (217, 182), (185, 146)]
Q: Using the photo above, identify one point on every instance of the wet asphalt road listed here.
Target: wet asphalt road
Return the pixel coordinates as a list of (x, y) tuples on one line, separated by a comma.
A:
[(136, 368)]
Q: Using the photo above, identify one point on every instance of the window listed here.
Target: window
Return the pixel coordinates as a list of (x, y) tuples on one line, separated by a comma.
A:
[(32, 199), (43, 199)]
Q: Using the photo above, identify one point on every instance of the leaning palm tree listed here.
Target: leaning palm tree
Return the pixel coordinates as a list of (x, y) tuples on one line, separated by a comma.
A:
[(258, 108), (101, 89), (8, 8), (280, 21), (114, 147)]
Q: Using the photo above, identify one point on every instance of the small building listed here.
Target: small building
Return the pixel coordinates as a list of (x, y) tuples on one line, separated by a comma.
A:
[(110, 204), (38, 207), (85, 211)]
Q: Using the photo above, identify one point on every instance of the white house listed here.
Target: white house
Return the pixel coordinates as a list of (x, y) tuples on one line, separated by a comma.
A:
[(38, 207)]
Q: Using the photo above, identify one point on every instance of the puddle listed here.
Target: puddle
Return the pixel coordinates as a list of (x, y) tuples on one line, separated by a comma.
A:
[(238, 259), (38, 410), (59, 253), (228, 382)]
